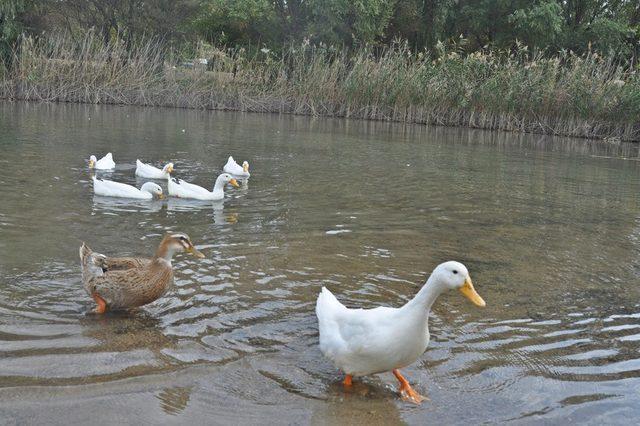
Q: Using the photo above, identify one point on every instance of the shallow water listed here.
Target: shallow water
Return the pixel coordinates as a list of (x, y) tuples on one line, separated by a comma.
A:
[(549, 230)]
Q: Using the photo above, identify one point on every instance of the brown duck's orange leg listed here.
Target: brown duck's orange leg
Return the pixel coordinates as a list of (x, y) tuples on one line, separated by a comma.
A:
[(102, 305), (348, 380), (406, 391)]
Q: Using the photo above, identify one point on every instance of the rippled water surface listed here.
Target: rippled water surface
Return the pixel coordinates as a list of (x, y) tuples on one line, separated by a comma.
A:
[(549, 230)]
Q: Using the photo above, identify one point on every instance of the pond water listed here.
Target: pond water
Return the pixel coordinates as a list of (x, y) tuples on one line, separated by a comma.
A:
[(549, 229)]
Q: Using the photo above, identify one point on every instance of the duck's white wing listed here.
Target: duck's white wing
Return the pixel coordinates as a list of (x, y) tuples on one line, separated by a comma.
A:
[(109, 188), (146, 170), (184, 189), (359, 341), (175, 189), (193, 188)]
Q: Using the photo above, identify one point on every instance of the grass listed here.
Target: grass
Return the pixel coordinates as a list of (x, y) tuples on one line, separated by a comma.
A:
[(584, 96)]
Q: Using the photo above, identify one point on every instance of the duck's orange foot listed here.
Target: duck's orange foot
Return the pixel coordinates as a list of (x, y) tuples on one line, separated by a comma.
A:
[(102, 305), (408, 394), (348, 380), (406, 391)]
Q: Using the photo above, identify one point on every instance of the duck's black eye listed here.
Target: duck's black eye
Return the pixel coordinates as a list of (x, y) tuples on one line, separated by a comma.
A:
[(455, 272), (183, 238)]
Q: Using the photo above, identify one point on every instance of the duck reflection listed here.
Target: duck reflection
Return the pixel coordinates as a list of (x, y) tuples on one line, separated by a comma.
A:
[(244, 183), (184, 205), (175, 399), (111, 204), (363, 403), (122, 331), (217, 207)]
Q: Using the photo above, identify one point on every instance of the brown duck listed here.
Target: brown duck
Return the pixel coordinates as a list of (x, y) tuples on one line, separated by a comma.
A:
[(127, 282)]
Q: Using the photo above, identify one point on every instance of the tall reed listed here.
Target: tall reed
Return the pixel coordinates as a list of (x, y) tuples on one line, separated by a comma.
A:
[(584, 96)]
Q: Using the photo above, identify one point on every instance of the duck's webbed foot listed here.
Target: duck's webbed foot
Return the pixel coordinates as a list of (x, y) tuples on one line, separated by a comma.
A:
[(406, 391), (348, 380), (102, 305)]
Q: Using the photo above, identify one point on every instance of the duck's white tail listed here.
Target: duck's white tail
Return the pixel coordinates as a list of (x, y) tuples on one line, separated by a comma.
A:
[(327, 304), (328, 311), (85, 254)]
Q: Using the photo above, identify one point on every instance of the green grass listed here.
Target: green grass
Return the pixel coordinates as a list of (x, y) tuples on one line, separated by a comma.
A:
[(584, 96)]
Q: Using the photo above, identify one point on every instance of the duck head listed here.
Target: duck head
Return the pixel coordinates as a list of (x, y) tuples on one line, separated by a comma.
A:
[(92, 161), (168, 168), (226, 178), (455, 276), (245, 166), (153, 189), (177, 242)]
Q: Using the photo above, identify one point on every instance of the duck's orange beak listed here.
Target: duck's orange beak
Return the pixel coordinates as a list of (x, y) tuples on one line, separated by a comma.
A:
[(470, 293), (192, 250), (234, 183)]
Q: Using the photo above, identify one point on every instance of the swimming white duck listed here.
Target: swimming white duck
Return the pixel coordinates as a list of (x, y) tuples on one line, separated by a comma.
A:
[(148, 171), (369, 341), (182, 189), (110, 188), (105, 163), (235, 168)]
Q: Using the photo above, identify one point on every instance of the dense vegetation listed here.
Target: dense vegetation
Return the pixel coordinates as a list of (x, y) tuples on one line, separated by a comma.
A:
[(549, 66)]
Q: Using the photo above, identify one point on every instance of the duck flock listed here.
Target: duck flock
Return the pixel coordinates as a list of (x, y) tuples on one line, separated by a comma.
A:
[(175, 187), (360, 342)]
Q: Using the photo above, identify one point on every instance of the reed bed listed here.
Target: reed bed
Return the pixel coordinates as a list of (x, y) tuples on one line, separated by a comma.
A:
[(583, 96)]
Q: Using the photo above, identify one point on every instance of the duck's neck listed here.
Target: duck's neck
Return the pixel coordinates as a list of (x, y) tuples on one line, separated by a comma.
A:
[(165, 251), (422, 302), (218, 188)]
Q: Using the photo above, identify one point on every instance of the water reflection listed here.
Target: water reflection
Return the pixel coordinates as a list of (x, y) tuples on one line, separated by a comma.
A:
[(361, 405), (220, 217), (116, 205), (175, 399), (548, 228), (182, 205), (126, 330)]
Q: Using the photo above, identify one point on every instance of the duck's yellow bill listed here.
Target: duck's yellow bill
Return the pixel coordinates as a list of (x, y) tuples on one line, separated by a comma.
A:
[(170, 169), (470, 293), (234, 183), (192, 250), (161, 196), (91, 164)]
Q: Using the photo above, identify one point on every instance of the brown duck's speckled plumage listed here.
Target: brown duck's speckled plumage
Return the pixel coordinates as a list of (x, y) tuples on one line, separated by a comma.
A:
[(132, 287), (127, 282), (122, 263)]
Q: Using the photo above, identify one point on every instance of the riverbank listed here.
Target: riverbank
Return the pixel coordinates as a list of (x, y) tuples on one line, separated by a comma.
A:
[(589, 97)]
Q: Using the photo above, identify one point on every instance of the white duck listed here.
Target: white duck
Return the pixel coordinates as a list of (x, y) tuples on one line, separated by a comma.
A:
[(105, 163), (369, 341), (235, 168), (110, 188), (148, 171), (182, 189)]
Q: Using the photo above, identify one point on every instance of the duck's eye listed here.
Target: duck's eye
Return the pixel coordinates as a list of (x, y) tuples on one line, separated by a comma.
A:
[(455, 272)]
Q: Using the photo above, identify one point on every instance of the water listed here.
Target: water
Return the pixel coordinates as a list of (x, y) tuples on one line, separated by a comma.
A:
[(549, 230)]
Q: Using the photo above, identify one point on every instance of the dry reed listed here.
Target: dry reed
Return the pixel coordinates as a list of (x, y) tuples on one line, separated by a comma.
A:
[(589, 96)]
